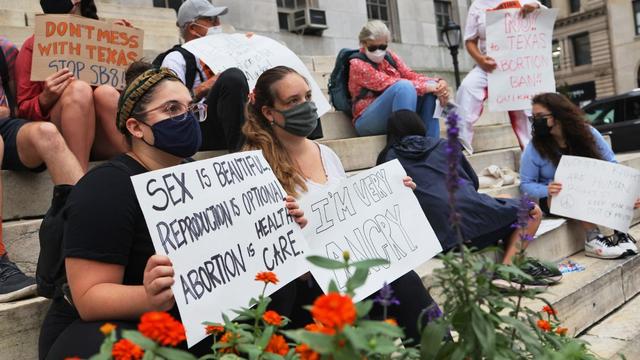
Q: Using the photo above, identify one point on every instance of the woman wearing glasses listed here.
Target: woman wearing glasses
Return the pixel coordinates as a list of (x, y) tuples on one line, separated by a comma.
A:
[(112, 272), (559, 129), (380, 83)]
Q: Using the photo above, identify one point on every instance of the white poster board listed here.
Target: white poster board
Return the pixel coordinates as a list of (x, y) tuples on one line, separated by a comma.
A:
[(521, 48), (220, 221), (596, 191), (371, 215), (253, 56)]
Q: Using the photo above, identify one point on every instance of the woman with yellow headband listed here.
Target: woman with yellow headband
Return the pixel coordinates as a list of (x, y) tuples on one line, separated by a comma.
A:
[(112, 272)]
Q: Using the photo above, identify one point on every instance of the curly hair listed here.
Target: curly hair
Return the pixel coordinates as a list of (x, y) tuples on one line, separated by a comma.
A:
[(576, 131), (260, 136)]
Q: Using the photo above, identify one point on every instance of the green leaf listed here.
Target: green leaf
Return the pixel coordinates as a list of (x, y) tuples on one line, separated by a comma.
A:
[(326, 263), (251, 349), (101, 356), (381, 327), (266, 336), (149, 355), (363, 308), (320, 343), (271, 356), (431, 340), (174, 354), (367, 264), (357, 279), (139, 339), (333, 287), (358, 341)]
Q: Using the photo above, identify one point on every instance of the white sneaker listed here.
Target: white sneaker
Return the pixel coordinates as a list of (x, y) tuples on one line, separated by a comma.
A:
[(601, 247), (626, 242)]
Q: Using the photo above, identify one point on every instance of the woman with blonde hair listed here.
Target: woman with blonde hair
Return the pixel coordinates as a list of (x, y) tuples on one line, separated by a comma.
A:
[(279, 116)]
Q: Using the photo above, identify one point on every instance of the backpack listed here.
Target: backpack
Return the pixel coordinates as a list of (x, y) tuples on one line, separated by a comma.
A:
[(51, 276), (339, 79), (4, 74), (191, 69)]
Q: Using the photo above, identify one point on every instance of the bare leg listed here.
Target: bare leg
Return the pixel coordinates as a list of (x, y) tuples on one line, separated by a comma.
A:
[(109, 140), (74, 115), (42, 142), (511, 247)]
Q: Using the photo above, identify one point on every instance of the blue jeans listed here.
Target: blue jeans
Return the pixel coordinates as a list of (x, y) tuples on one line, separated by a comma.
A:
[(399, 96)]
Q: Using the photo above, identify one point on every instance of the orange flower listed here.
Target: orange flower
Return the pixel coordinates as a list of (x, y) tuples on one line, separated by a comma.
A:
[(544, 325), (562, 331), (267, 277), (161, 328), (391, 321), (549, 310), (107, 328), (214, 329), (306, 353), (229, 338), (334, 310), (319, 328), (277, 345), (126, 350), (272, 318)]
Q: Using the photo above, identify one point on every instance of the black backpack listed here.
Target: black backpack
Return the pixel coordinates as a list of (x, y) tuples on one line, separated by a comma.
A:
[(339, 79), (4, 74), (191, 69), (51, 276)]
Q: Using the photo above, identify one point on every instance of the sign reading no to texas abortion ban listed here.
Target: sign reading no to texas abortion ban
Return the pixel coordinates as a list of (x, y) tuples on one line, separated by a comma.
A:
[(371, 215), (95, 51), (220, 221), (521, 47)]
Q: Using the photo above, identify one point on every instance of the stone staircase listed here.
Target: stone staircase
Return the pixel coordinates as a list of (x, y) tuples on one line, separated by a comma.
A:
[(582, 299)]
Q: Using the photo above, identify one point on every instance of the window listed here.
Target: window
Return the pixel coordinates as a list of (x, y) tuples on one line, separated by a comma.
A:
[(632, 108), (581, 49), (385, 11), (574, 6), (556, 51), (443, 15), (636, 15), (601, 114)]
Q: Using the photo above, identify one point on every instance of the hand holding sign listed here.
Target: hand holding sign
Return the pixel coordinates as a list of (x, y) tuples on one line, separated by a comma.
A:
[(158, 280), (54, 86)]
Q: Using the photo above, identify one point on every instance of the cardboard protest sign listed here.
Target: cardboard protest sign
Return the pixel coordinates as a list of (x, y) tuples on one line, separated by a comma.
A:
[(220, 221), (596, 191), (95, 51), (253, 56), (521, 48), (371, 215)]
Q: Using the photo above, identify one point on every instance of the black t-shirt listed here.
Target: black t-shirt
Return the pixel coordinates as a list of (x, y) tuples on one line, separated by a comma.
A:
[(104, 222)]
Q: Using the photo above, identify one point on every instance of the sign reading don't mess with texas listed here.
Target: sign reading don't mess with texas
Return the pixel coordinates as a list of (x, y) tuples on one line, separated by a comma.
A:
[(95, 51)]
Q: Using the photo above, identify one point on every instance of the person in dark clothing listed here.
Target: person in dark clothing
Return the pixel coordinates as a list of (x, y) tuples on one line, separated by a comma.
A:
[(485, 220), (112, 272)]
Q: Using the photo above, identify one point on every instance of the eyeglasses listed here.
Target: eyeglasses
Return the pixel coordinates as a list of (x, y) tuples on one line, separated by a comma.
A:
[(178, 111), (538, 117), (373, 48)]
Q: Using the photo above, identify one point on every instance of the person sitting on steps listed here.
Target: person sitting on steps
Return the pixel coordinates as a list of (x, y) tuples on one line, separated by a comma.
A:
[(83, 114), (484, 220), (26, 146), (381, 83), (224, 93), (559, 128)]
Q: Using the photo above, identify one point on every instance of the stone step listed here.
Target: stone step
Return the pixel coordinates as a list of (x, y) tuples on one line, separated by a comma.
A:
[(618, 333), (23, 246), (581, 298), (20, 327)]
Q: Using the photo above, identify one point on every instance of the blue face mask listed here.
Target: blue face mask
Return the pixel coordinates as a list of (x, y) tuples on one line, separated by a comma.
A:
[(181, 138)]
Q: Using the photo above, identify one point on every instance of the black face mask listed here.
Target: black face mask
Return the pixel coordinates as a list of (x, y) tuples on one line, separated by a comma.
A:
[(56, 6), (540, 127)]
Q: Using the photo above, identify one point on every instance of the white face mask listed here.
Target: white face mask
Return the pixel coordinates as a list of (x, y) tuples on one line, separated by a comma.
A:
[(376, 56), (214, 30)]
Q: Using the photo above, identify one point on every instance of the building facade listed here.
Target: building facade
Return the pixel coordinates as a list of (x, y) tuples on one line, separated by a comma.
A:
[(625, 43), (323, 27)]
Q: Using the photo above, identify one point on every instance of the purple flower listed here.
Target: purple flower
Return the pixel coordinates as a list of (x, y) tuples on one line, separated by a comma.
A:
[(385, 296), (453, 152), (524, 216), (433, 312)]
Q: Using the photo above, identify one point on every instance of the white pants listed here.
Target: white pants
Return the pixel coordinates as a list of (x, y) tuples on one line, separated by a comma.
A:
[(470, 98)]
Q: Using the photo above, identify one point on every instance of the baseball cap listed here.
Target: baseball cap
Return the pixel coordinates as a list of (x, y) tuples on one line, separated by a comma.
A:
[(193, 9)]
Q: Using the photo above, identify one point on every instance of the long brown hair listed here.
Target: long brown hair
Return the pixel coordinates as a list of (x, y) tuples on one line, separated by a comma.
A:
[(576, 131), (259, 132)]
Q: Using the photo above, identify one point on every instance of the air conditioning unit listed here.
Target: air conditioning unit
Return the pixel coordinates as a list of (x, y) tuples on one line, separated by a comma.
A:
[(304, 20)]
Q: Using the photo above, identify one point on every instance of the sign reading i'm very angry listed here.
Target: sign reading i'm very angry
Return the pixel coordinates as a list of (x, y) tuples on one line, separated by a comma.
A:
[(521, 48), (220, 221), (95, 51)]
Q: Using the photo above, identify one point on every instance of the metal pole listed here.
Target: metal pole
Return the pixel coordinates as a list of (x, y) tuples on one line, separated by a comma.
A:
[(454, 55)]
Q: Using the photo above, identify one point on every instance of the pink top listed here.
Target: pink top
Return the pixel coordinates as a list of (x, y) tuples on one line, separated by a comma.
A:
[(363, 75), (28, 91)]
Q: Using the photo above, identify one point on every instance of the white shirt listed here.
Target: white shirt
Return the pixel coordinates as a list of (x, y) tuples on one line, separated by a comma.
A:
[(477, 20), (175, 61), (333, 169)]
